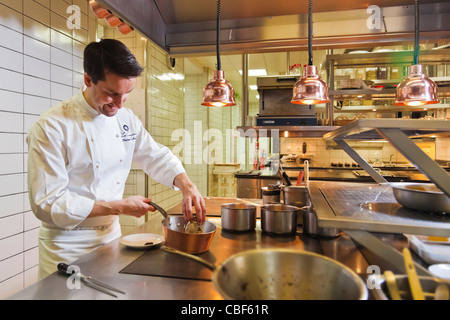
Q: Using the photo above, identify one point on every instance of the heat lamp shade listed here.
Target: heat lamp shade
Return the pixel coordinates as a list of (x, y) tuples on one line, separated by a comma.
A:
[(416, 89), (310, 88), (218, 92)]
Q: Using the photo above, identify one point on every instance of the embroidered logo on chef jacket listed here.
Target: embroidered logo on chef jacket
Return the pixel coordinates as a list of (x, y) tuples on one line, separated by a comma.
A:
[(126, 135)]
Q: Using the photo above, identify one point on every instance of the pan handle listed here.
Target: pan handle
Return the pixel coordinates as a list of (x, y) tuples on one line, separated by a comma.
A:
[(191, 256), (163, 212)]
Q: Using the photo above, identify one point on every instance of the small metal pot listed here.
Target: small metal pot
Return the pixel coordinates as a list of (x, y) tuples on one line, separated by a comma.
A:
[(270, 196), (311, 227), (176, 237), (297, 196), (238, 217), (279, 219)]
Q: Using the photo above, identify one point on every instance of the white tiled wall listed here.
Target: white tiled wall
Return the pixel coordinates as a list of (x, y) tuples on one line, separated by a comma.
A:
[(40, 64)]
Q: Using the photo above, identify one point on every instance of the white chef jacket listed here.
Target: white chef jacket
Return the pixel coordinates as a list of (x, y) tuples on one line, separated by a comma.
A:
[(77, 156)]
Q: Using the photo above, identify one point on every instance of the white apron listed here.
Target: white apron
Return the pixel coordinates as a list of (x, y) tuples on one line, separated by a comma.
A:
[(57, 245)]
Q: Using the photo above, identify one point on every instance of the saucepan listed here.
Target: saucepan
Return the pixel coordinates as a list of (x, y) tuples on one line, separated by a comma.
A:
[(282, 274), (421, 196), (176, 235), (238, 217)]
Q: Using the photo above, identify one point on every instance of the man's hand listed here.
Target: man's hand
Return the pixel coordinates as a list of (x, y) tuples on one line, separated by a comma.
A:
[(191, 198), (135, 206)]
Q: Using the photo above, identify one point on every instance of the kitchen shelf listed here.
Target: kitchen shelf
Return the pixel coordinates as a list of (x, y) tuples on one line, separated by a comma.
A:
[(381, 59), (398, 132), (391, 58), (293, 131)]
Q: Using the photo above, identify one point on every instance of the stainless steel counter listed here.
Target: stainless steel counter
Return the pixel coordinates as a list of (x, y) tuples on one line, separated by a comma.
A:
[(105, 264)]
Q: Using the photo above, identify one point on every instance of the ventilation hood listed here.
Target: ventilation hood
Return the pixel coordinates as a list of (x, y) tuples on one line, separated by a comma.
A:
[(187, 27)]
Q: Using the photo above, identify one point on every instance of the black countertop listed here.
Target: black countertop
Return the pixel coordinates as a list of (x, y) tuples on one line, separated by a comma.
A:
[(354, 174)]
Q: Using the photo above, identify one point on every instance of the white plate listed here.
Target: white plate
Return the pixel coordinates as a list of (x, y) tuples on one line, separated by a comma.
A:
[(441, 270), (141, 240)]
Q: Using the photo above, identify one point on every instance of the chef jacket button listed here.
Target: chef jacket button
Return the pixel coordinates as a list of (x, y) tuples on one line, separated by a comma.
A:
[(92, 139), (118, 182), (97, 166), (121, 160), (117, 135)]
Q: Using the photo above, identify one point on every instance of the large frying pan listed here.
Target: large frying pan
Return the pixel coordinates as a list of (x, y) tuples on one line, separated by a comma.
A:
[(421, 196)]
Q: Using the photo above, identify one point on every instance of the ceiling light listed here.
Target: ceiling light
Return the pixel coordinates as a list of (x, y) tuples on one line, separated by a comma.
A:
[(416, 89), (218, 92), (310, 89), (253, 87)]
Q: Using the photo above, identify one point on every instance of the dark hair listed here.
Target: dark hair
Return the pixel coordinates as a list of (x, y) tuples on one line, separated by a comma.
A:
[(110, 55)]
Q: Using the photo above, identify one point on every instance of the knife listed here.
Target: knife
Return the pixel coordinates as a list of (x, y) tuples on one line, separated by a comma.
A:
[(89, 281)]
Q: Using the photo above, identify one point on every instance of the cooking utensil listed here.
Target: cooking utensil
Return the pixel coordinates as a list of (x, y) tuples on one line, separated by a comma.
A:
[(89, 281), (414, 283), (279, 219), (429, 286), (421, 196), (392, 285), (282, 274), (441, 292), (297, 196), (300, 178), (284, 176), (238, 216), (176, 237)]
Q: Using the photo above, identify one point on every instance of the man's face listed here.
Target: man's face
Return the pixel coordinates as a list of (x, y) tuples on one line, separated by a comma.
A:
[(107, 96)]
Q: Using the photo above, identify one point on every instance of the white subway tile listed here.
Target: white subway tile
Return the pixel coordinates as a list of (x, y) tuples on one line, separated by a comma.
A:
[(11, 101), (61, 41), (60, 91), (10, 18), (11, 246), (35, 105), (30, 275), (11, 80), (11, 225), (36, 48), (11, 286), (11, 184), (61, 58), (36, 30), (36, 68), (11, 143), (36, 11), (14, 4), (31, 259), (10, 205), (11, 266), (45, 3), (36, 86), (11, 163), (28, 122), (11, 60), (30, 239), (11, 122), (30, 221), (60, 23), (61, 75)]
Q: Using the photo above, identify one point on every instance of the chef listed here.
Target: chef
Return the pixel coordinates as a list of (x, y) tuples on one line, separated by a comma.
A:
[(79, 157)]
